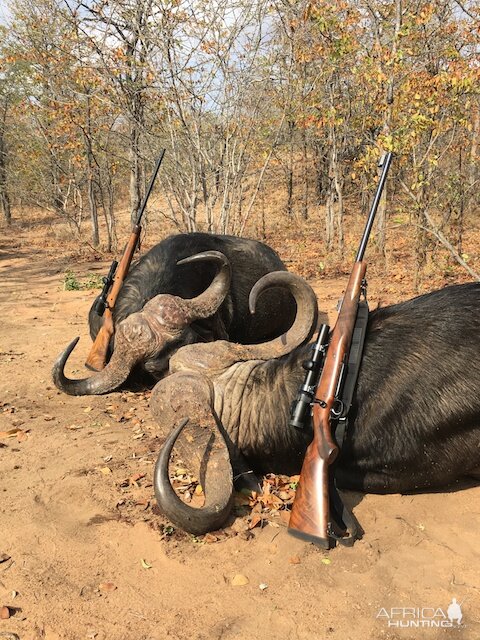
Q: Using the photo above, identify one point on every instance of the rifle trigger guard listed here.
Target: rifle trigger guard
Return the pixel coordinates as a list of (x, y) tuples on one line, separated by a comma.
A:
[(363, 289), (338, 409)]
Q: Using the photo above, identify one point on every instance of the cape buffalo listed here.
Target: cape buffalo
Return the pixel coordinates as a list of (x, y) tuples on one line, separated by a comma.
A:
[(165, 270), (414, 422)]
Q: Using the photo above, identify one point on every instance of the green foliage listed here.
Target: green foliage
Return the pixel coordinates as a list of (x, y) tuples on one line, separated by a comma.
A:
[(93, 281), (72, 283)]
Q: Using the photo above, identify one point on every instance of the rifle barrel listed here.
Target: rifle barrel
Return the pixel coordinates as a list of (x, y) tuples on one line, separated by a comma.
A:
[(150, 187), (385, 164)]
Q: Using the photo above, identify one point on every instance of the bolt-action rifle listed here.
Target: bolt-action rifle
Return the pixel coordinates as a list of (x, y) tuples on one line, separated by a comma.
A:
[(318, 514), (97, 358)]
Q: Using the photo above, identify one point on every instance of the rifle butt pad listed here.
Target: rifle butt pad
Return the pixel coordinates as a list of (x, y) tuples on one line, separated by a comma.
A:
[(324, 543)]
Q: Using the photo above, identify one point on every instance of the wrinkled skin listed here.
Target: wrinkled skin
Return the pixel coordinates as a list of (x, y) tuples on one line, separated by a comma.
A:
[(414, 423)]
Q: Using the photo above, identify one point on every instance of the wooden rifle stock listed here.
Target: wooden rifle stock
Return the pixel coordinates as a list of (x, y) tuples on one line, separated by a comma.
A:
[(310, 519), (97, 358)]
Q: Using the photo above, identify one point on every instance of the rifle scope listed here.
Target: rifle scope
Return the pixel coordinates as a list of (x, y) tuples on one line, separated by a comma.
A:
[(101, 303), (303, 402)]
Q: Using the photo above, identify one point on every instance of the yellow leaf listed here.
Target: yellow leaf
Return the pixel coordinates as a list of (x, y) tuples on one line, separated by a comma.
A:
[(10, 433)]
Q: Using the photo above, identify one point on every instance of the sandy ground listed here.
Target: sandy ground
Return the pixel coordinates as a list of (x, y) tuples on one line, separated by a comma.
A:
[(84, 554)]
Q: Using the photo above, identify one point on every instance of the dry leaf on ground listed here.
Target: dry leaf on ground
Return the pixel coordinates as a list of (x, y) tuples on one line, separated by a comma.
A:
[(4, 613), (10, 433)]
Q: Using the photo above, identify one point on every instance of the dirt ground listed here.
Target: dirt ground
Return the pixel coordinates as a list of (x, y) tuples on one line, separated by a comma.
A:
[(85, 555)]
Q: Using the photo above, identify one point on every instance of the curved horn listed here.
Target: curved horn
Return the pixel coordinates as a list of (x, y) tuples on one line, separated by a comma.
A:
[(207, 303), (175, 313), (134, 338), (218, 490), (303, 326), (111, 377)]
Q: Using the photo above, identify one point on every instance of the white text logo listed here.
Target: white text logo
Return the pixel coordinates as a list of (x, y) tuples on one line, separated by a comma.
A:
[(420, 617)]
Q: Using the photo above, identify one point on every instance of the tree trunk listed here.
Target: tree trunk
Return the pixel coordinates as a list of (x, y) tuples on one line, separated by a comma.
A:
[(473, 161), (135, 172), (4, 195), (460, 217), (421, 239), (5, 199), (289, 208), (389, 99), (92, 199), (330, 217), (321, 173), (93, 208), (334, 215), (108, 204), (338, 182), (305, 174)]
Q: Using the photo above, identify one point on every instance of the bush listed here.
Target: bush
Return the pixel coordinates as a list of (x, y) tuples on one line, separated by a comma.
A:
[(93, 281), (72, 283)]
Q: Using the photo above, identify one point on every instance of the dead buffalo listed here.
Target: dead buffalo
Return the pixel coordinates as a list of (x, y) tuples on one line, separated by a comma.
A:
[(414, 423), (226, 268)]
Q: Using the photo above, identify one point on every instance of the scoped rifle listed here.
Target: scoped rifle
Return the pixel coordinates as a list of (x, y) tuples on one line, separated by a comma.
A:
[(97, 357), (318, 514)]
